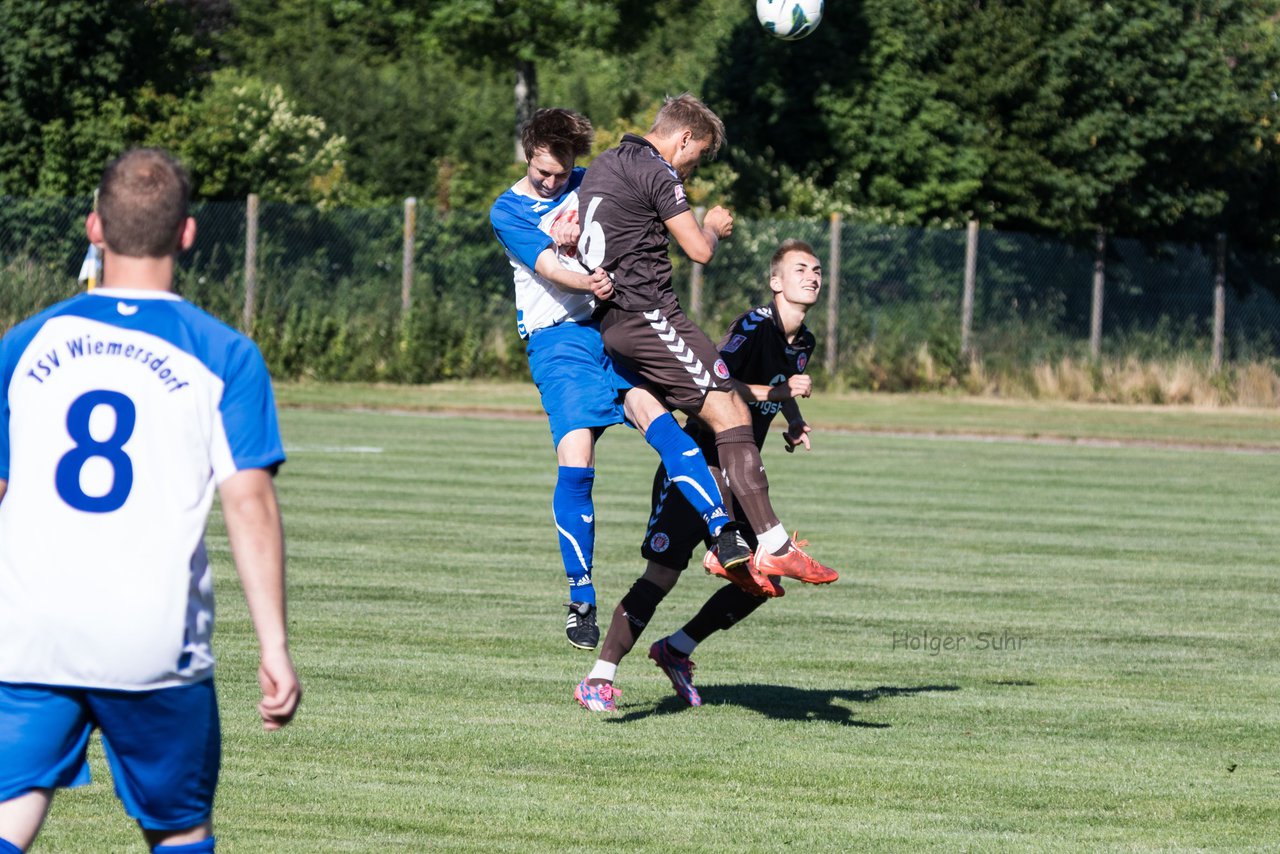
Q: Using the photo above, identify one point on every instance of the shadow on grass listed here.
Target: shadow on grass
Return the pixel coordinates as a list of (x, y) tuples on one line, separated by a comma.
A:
[(783, 703)]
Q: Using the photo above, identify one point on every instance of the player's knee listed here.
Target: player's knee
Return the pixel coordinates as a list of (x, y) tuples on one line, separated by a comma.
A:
[(642, 408), (640, 603), (661, 576)]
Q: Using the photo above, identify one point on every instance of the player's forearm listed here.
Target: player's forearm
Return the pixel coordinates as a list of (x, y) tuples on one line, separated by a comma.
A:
[(791, 411), (764, 393), (695, 240), (4, 484), (550, 268), (753, 393), (713, 241), (254, 528)]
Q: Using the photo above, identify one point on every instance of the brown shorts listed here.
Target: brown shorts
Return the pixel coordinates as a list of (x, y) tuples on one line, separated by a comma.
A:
[(665, 349)]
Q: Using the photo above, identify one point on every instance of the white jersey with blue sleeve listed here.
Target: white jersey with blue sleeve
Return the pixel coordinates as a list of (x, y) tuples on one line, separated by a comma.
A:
[(523, 226), (121, 410)]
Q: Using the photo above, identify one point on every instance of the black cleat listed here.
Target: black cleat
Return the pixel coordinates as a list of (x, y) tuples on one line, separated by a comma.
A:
[(731, 548), (581, 627)]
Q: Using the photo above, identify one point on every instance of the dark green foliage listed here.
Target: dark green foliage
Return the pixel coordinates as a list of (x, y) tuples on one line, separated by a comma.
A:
[(74, 79), (1158, 121)]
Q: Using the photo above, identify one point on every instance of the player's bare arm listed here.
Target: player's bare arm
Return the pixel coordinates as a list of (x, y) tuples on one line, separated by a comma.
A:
[(254, 528), (596, 282), (4, 484), (699, 242)]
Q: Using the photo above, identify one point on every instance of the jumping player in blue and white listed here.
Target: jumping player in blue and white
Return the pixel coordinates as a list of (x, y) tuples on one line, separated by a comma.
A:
[(121, 410), (582, 393)]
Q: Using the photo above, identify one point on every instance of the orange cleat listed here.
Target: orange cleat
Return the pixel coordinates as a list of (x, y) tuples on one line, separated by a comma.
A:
[(795, 563), (744, 576)]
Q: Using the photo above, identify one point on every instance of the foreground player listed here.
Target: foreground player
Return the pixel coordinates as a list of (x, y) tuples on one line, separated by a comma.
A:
[(766, 350), (120, 410), (581, 392), (630, 200)]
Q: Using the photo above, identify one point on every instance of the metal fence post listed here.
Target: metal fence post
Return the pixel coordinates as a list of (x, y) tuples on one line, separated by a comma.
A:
[(833, 296), (695, 278), (406, 265), (1099, 279), (970, 283), (1219, 302), (250, 261)]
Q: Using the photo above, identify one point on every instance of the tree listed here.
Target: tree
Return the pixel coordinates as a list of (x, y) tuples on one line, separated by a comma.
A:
[(519, 35), (245, 136), (60, 59)]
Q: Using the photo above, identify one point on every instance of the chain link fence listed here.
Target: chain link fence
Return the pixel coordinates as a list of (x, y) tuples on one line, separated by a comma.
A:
[(334, 296)]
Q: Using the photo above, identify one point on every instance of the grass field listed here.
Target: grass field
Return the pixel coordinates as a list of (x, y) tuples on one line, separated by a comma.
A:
[(1112, 680)]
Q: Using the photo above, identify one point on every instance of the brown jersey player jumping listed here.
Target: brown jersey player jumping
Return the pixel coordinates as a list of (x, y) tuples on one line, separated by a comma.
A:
[(631, 199)]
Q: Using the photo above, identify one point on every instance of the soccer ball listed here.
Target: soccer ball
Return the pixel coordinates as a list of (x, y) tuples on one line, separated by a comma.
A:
[(789, 19)]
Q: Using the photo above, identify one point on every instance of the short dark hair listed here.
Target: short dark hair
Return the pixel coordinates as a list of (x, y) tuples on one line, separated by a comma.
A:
[(787, 247), (566, 135), (142, 203), (685, 112)]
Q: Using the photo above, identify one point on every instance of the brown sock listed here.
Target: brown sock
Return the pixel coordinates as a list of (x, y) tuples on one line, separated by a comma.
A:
[(744, 471)]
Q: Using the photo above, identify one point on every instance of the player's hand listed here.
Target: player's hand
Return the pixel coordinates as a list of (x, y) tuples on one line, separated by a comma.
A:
[(281, 691), (720, 221), (601, 284), (800, 385), (565, 231), (797, 434)]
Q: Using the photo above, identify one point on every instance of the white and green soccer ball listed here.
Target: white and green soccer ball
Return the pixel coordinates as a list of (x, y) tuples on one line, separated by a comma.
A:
[(789, 19)]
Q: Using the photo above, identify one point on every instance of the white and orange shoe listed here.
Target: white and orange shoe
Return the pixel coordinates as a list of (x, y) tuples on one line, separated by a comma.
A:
[(744, 576), (794, 563)]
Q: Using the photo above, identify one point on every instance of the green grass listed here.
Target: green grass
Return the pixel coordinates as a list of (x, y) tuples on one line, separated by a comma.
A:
[(871, 413), (1136, 712)]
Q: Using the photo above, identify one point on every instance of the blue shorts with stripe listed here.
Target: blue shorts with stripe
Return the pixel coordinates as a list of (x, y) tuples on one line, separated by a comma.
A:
[(580, 385), (163, 746)]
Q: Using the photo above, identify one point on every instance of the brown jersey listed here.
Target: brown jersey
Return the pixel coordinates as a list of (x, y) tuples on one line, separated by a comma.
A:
[(629, 192)]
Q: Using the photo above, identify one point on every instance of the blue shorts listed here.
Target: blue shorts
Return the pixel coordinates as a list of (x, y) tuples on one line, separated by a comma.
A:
[(163, 746), (579, 384)]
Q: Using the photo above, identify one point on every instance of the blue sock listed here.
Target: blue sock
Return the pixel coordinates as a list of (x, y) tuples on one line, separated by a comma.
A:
[(576, 522), (687, 469), (7, 847), (204, 846)]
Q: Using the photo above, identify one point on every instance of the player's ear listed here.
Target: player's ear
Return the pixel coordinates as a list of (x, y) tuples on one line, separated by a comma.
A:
[(93, 228), (775, 284), (188, 236)]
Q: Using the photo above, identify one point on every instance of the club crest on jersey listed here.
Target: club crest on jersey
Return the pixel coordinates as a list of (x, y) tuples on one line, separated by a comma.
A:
[(801, 361), (680, 198), (732, 345), (721, 369), (659, 542)]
